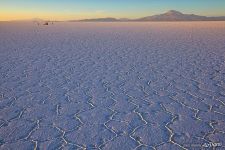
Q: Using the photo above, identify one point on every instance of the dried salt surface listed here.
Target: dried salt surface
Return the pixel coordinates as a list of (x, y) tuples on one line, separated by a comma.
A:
[(112, 85)]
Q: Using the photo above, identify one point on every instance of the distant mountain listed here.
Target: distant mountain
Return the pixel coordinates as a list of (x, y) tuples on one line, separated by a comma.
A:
[(98, 20), (103, 20), (171, 15), (174, 15)]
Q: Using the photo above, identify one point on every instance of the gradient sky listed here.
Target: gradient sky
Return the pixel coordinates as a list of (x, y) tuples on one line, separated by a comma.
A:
[(80, 9)]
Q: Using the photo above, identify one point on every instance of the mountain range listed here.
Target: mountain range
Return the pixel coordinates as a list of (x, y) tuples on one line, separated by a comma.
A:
[(171, 15)]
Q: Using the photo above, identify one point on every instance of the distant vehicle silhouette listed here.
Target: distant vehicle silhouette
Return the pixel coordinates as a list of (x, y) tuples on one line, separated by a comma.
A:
[(46, 23)]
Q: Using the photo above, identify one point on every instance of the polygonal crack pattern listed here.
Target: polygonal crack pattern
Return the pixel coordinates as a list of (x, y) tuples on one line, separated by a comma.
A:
[(112, 86)]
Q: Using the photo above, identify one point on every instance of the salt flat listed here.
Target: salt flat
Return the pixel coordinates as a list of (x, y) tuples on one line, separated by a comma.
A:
[(112, 86)]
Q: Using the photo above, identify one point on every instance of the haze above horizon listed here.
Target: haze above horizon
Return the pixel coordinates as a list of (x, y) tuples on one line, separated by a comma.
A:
[(83, 9)]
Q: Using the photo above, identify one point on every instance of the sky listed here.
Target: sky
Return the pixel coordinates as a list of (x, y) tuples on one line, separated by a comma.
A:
[(83, 9)]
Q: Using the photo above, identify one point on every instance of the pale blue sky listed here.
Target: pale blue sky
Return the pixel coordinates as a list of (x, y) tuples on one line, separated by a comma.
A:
[(76, 9)]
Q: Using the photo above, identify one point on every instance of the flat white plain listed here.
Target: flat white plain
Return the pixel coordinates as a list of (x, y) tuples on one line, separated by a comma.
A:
[(158, 85)]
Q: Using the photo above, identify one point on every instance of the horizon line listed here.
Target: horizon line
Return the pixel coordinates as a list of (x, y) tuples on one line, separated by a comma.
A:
[(109, 17)]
